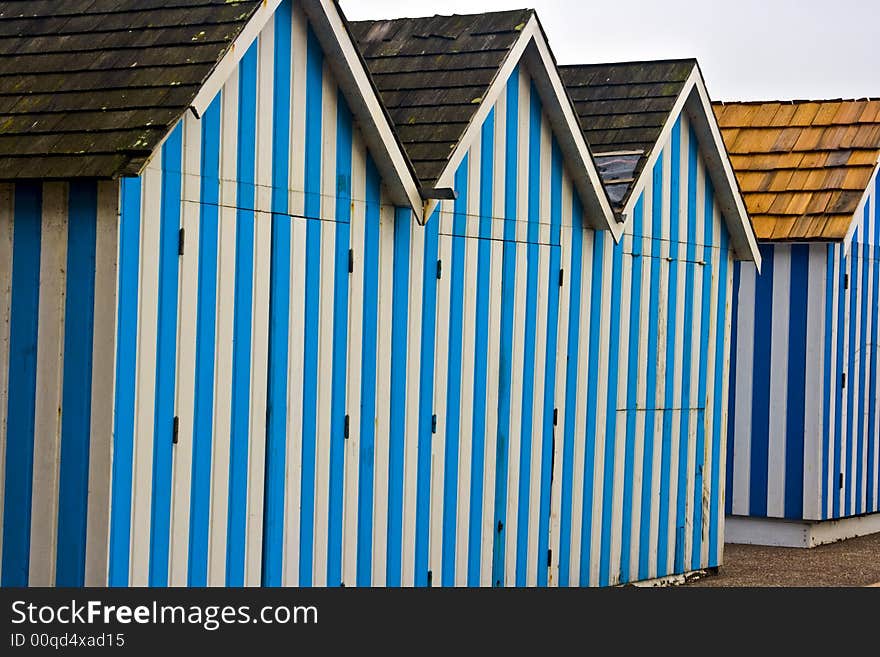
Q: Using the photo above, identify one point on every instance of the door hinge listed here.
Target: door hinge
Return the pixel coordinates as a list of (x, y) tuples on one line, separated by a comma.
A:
[(549, 558), (175, 430), (439, 269), (843, 380), (500, 526), (433, 424), (555, 416), (840, 481), (181, 241), (346, 425), (430, 578), (846, 281), (561, 277), (351, 261)]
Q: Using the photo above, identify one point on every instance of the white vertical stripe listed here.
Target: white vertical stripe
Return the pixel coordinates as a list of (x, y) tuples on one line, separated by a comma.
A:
[(465, 437), (778, 382), (293, 460), (187, 312), (441, 367), (103, 350), (259, 355), (224, 330), (7, 221), (840, 492), (148, 298), (601, 497), (815, 377), (561, 374), (494, 342), (325, 410), (835, 377), (742, 426), (714, 363), (585, 364), (852, 379), (383, 391), (725, 387), (357, 295), (619, 417), (50, 375), (413, 369)]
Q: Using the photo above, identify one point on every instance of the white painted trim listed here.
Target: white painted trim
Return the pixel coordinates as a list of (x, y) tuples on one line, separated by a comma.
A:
[(860, 208), (695, 99), (233, 56), (798, 533), (348, 68), (559, 109)]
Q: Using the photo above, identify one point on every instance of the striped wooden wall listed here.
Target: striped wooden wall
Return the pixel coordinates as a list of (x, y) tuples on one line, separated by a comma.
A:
[(645, 329), (57, 300), (312, 389), (804, 423)]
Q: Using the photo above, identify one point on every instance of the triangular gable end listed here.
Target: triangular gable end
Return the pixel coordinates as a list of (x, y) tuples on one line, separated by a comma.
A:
[(532, 48), (694, 100), (348, 68)]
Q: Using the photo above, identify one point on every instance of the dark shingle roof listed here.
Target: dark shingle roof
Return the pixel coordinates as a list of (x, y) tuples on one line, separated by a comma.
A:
[(88, 88), (623, 108), (432, 74)]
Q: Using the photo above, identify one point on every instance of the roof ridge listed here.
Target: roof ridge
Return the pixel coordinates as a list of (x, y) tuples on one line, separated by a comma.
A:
[(798, 101), (634, 62), (478, 14)]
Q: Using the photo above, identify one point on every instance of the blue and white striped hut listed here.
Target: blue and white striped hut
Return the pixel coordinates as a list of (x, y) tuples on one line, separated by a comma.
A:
[(803, 466), (287, 301)]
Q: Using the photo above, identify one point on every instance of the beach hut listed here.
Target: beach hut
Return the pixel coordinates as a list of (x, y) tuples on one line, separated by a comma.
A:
[(803, 434)]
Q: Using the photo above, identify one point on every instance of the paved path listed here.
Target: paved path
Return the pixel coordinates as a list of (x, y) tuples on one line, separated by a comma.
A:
[(855, 562)]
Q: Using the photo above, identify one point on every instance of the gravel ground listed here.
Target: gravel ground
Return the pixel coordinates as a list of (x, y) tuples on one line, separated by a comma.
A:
[(854, 562)]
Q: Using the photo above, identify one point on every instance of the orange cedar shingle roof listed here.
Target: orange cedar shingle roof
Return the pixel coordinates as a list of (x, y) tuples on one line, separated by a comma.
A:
[(803, 166)]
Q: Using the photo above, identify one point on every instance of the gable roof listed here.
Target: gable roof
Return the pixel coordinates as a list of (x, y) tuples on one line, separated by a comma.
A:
[(803, 166), (440, 76), (640, 93), (433, 73), (90, 88), (623, 108)]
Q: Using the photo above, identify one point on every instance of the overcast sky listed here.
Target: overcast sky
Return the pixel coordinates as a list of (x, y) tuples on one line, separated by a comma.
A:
[(748, 49)]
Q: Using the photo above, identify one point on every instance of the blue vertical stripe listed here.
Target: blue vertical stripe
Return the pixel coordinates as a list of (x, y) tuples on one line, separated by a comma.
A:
[(669, 384), (453, 377), (528, 364), (21, 402), (340, 341), (206, 322), (126, 366), (830, 371), (481, 347), (632, 388), (73, 487), (731, 424), (716, 542), (279, 306), (837, 384), (702, 387), (851, 383), (242, 322), (645, 547), (508, 282), (399, 341), (368, 380), (684, 437), (761, 385), (611, 416), (797, 357), (870, 502), (571, 391), (595, 295), (426, 400), (549, 436), (166, 357), (312, 183), (864, 355)]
